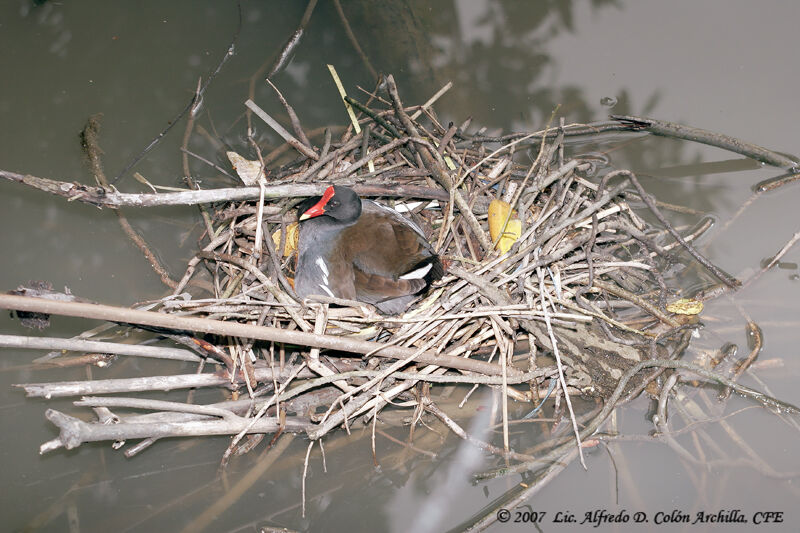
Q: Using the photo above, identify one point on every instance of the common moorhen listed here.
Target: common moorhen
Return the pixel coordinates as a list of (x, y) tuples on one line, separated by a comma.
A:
[(361, 250)]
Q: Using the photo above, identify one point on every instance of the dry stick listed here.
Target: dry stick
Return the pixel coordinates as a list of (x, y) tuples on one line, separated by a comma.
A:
[(159, 405), (270, 286), (286, 52), (315, 169), (505, 354), (276, 65), (756, 341), (438, 172), (363, 402), (367, 158), (313, 361), (74, 432), (187, 175), (648, 200), (641, 302), (75, 345), (380, 397), (179, 412), (62, 389), (385, 124), (91, 145), (586, 213), (414, 116), (218, 241), (131, 316), (296, 126), (101, 197), (774, 261), (280, 130), (303, 481), (774, 183), (275, 258), (204, 160), (571, 130), (662, 423), (193, 104), (458, 430), (678, 131), (261, 412), (559, 364), (517, 497)]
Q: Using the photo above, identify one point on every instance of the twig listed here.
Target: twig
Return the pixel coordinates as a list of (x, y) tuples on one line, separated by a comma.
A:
[(294, 40), (54, 343), (722, 276), (774, 261), (439, 173), (458, 430), (560, 365), (280, 130), (104, 198), (158, 405), (62, 389), (678, 131), (298, 129)]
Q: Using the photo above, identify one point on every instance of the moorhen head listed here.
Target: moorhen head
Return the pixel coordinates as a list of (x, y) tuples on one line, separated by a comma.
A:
[(360, 250)]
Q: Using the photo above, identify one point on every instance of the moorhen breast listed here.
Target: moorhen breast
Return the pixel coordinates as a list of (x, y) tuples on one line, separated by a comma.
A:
[(360, 250)]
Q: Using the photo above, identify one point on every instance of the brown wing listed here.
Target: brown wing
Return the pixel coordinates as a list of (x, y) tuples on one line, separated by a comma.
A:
[(380, 245), (373, 288)]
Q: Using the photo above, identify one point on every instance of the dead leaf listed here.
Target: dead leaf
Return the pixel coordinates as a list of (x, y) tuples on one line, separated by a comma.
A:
[(292, 235), (498, 213)]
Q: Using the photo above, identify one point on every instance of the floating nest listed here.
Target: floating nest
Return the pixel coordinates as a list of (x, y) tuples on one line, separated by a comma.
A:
[(553, 281)]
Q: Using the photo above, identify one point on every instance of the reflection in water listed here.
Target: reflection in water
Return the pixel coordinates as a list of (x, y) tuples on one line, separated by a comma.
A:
[(443, 495)]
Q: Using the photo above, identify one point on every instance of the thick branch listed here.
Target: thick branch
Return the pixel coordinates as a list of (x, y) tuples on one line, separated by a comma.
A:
[(76, 345), (726, 142), (74, 432), (217, 327), (104, 198)]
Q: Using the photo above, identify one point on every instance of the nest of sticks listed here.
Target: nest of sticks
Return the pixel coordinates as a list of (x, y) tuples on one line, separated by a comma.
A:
[(556, 289)]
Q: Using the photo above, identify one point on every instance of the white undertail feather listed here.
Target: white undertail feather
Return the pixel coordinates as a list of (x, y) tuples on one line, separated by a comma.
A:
[(419, 273)]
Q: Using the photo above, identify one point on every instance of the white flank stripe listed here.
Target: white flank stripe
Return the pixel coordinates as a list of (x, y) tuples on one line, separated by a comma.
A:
[(322, 266), (326, 289), (418, 273)]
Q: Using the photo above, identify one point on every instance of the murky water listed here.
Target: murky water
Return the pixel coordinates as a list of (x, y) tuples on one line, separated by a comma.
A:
[(728, 67)]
